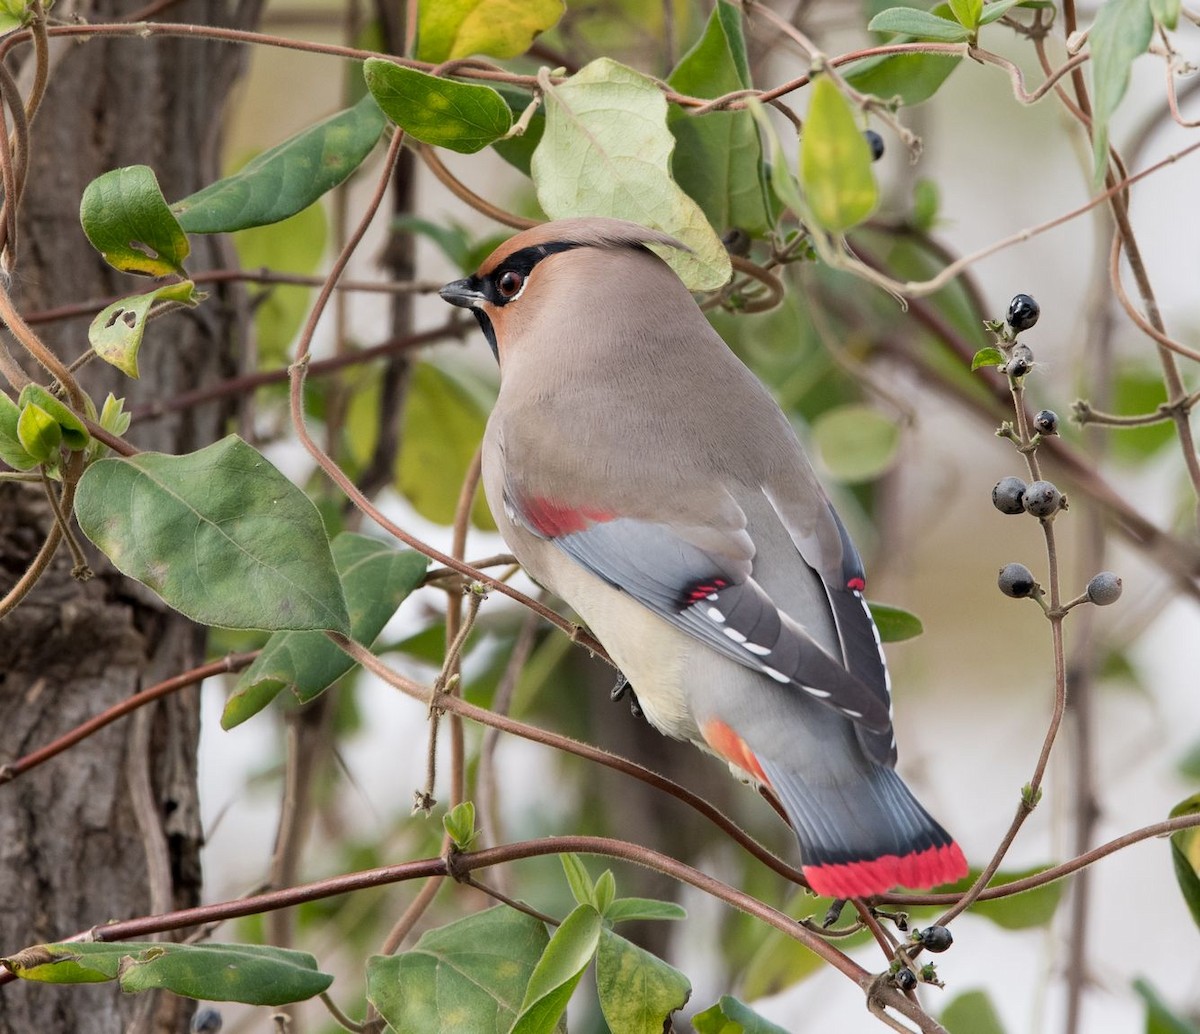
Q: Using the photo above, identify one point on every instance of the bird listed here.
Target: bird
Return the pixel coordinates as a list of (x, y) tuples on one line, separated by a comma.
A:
[(638, 470)]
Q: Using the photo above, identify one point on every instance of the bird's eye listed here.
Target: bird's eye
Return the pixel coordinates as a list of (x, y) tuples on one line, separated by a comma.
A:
[(510, 283)]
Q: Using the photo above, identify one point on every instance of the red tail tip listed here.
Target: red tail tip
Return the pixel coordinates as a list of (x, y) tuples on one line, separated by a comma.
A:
[(861, 879)]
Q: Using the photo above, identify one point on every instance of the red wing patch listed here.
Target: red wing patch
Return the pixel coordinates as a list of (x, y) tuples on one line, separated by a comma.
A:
[(552, 519), (733, 749), (928, 868)]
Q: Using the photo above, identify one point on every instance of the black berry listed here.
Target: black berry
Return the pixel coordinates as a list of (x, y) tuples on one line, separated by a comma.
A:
[(1016, 580), (1008, 495), (1023, 312), (1042, 499), (1020, 362), (875, 142), (906, 979), (1046, 422), (206, 1020), (935, 938), (1104, 588)]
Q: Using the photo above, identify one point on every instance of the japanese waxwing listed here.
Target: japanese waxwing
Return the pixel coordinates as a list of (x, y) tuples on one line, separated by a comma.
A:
[(640, 472)]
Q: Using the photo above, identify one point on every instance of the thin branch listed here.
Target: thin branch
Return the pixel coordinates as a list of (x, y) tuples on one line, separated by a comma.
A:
[(465, 194)]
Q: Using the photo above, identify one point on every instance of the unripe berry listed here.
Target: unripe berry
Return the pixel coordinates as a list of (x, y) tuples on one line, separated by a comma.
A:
[(1016, 580), (1046, 422), (1008, 495), (875, 143), (1020, 362), (1104, 588), (1023, 312), (935, 938), (906, 979), (1042, 499)]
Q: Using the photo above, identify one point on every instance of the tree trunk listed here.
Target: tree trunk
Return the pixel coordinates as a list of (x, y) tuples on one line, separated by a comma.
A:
[(111, 828)]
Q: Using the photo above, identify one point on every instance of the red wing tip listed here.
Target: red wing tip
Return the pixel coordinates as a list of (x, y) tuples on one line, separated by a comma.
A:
[(917, 870)]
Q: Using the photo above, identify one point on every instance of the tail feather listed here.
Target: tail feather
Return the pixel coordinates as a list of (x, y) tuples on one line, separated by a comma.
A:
[(864, 837)]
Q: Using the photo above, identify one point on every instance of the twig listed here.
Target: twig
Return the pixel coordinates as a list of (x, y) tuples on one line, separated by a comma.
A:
[(465, 194)]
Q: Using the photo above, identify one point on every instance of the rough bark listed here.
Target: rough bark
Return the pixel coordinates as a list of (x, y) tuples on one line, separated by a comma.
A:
[(111, 829)]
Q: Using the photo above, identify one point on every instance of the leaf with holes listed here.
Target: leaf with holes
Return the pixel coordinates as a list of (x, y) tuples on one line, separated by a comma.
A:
[(287, 178), (126, 217), (376, 579), (464, 117), (219, 534), (116, 333), (606, 150), (470, 975), (449, 29), (835, 162), (638, 991)]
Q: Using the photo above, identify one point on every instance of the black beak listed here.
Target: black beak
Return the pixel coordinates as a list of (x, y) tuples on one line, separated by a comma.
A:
[(464, 293)]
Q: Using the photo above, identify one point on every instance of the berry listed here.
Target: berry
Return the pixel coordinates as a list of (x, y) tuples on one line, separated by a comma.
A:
[(1046, 422), (875, 142), (935, 938), (1008, 495), (906, 979), (206, 1020), (1104, 588), (1023, 312), (1020, 362), (737, 242), (1016, 580), (1042, 499)]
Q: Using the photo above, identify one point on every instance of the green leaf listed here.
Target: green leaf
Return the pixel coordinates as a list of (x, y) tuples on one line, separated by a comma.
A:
[(926, 202), (987, 357), (638, 991), (583, 890), (465, 978), (997, 10), (554, 978), (729, 1016), (39, 433), (1160, 1017), (835, 162), (459, 824), (895, 625), (914, 78), (1185, 856), (449, 29), (967, 12), (443, 425), (1121, 32), (116, 333), (219, 534), (607, 151), (74, 435), (855, 442), (718, 157), (605, 892), (126, 217), (1030, 908), (376, 579), (625, 910), (1166, 12), (919, 24), (12, 451), (971, 1013), (252, 974), (287, 178), (113, 419), (1139, 389), (295, 245), (783, 183), (464, 117), (518, 149)]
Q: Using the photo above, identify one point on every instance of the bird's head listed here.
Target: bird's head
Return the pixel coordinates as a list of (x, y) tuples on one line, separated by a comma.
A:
[(519, 278)]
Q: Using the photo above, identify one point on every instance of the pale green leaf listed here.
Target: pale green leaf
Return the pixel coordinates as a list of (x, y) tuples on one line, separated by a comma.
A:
[(219, 534), (971, 1013), (1160, 1017), (855, 442), (1121, 32), (895, 625), (606, 151), (996, 10), (967, 12), (126, 217), (919, 24), (638, 991), (449, 29), (39, 433), (578, 878), (1166, 12), (116, 333), (553, 980), (287, 178), (74, 435), (12, 451), (1185, 856), (988, 356), (463, 117), (835, 162), (625, 910), (459, 824), (729, 1016)]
